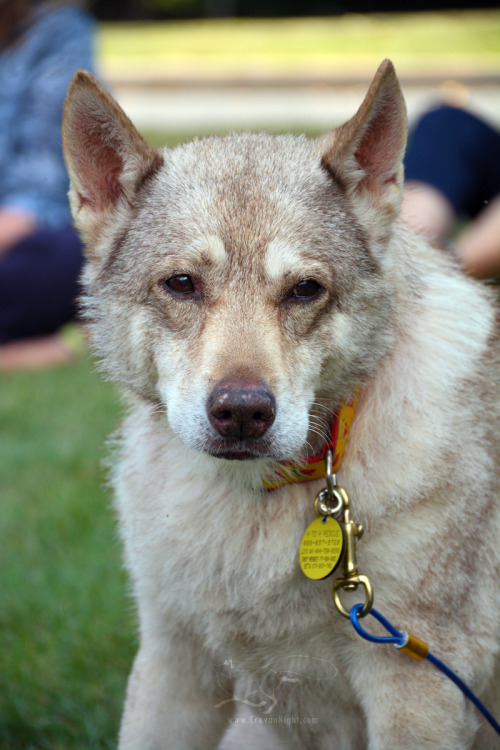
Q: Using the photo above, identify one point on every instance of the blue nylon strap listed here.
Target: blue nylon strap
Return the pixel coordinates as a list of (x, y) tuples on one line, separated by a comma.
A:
[(399, 638)]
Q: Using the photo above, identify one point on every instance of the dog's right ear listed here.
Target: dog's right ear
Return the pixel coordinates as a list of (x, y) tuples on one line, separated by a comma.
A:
[(107, 159)]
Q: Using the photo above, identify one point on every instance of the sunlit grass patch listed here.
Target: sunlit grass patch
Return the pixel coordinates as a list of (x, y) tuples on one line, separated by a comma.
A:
[(421, 40)]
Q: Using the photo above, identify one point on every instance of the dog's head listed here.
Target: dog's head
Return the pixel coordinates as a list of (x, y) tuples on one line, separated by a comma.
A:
[(240, 282)]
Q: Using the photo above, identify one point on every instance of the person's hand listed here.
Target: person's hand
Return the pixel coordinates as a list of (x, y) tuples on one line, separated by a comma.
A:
[(15, 225)]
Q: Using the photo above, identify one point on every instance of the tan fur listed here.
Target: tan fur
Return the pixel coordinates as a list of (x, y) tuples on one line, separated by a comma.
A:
[(226, 617)]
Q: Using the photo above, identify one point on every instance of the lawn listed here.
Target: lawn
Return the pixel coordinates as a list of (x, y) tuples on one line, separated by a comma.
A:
[(418, 41), (67, 624)]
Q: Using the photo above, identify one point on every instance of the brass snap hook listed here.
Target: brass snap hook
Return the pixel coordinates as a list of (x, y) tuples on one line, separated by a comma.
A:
[(351, 533), (351, 584)]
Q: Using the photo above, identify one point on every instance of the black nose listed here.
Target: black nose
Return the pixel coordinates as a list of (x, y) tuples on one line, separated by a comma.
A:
[(241, 410)]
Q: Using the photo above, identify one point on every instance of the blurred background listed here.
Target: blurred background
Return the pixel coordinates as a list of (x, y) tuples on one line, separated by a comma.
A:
[(200, 65), (179, 68)]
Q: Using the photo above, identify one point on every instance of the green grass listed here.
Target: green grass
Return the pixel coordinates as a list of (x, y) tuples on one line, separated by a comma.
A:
[(417, 39), (66, 623)]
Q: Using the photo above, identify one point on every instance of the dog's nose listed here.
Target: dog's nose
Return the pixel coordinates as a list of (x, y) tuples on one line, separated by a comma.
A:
[(241, 410)]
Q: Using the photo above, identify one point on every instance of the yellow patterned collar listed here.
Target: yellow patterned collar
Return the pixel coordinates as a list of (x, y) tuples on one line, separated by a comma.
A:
[(313, 467)]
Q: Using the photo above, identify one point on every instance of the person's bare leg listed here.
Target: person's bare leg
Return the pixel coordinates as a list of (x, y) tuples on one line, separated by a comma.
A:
[(44, 351), (426, 210)]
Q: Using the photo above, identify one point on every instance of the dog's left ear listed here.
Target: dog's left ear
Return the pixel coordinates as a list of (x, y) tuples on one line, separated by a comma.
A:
[(366, 153)]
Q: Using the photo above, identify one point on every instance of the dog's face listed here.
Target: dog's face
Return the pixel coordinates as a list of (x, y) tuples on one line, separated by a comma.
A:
[(238, 282)]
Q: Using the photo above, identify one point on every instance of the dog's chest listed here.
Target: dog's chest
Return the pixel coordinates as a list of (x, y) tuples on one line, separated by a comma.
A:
[(200, 552), (240, 574)]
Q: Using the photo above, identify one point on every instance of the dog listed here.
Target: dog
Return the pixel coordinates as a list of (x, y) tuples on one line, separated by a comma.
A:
[(240, 289)]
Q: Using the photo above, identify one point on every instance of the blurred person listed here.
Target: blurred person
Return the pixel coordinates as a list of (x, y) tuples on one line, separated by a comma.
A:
[(452, 171), (41, 46)]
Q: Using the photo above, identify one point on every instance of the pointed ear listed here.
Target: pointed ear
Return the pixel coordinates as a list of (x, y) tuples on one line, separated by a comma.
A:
[(107, 159), (366, 153)]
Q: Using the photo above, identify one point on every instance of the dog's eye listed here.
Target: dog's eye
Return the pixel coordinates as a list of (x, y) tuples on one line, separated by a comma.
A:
[(181, 284), (306, 289)]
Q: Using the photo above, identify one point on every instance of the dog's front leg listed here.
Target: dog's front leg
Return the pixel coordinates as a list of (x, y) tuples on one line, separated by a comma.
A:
[(171, 699), (410, 705)]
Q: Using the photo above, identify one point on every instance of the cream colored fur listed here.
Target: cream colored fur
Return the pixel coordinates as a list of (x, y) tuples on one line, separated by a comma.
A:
[(227, 619)]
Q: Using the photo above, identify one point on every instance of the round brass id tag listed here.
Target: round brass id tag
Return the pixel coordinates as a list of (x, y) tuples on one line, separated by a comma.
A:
[(321, 548)]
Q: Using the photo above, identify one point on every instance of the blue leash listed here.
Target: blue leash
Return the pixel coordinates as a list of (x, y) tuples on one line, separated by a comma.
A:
[(418, 650)]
